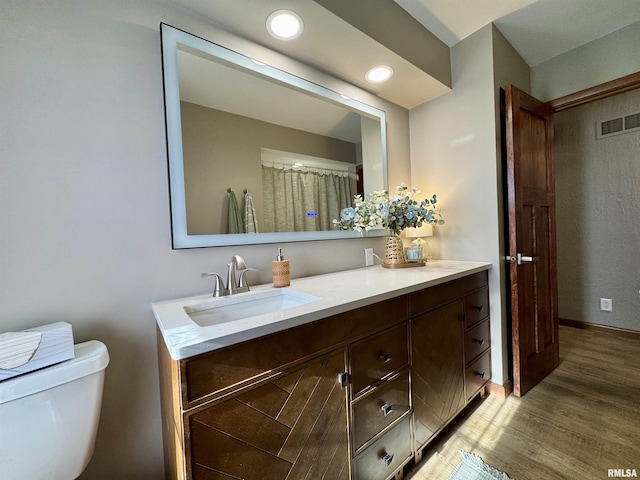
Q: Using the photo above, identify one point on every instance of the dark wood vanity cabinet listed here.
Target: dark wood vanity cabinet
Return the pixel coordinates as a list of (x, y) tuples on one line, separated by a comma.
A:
[(293, 427), (352, 396), (438, 369), (380, 403), (451, 359)]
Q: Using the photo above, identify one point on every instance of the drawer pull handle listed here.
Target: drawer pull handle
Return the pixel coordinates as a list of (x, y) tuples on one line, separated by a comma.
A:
[(480, 374), (385, 357), (343, 379), (387, 459), (479, 341), (478, 307), (386, 409)]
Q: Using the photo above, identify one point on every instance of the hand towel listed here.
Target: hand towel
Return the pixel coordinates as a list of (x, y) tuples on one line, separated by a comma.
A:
[(250, 220), (235, 217)]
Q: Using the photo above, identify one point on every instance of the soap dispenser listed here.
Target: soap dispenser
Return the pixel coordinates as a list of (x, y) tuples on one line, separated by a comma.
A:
[(280, 271)]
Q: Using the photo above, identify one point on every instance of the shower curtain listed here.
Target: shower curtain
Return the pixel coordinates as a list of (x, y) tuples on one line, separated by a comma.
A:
[(298, 200)]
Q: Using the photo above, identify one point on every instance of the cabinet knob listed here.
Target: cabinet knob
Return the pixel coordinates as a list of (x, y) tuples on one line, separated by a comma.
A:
[(478, 307), (480, 374), (387, 458), (343, 379), (479, 341), (385, 357), (386, 409)]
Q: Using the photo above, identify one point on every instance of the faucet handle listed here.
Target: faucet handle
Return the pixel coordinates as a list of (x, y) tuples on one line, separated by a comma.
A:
[(241, 281), (218, 288)]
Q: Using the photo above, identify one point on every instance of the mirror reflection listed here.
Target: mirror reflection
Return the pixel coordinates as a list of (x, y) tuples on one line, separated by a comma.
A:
[(257, 155)]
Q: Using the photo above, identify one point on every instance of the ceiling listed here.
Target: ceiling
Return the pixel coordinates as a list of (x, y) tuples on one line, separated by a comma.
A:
[(328, 43), (537, 29)]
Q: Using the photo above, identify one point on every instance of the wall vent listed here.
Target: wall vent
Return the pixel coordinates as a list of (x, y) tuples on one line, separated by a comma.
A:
[(632, 121), (617, 126)]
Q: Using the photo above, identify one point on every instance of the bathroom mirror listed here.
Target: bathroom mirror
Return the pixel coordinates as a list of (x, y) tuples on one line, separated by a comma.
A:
[(232, 122)]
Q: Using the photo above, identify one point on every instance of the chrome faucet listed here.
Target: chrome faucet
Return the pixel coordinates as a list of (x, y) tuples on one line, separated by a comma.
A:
[(232, 287), (237, 263)]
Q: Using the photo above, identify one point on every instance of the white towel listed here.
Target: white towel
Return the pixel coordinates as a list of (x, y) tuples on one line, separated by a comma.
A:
[(250, 220)]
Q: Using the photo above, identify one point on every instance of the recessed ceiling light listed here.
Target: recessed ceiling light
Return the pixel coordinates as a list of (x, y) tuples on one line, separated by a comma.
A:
[(378, 74), (285, 24)]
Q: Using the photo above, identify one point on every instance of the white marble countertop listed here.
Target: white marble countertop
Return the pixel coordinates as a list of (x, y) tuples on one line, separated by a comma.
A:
[(338, 292)]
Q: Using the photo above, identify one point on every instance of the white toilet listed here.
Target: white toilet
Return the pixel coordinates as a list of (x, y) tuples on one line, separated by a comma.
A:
[(49, 417)]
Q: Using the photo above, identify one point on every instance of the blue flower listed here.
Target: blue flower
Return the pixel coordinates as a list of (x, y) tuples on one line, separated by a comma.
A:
[(396, 213)]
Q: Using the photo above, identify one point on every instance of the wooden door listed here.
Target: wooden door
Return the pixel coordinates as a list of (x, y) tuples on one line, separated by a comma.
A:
[(291, 428), (532, 238)]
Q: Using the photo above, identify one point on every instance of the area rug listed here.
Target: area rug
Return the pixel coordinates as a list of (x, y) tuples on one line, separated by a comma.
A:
[(474, 468)]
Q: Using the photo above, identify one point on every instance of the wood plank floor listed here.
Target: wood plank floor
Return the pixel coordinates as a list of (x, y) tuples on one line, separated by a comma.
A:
[(580, 421)]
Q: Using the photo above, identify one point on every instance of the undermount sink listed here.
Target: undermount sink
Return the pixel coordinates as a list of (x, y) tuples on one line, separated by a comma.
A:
[(246, 305)]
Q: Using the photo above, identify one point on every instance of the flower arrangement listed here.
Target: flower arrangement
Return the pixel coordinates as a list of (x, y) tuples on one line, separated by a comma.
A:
[(395, 212)]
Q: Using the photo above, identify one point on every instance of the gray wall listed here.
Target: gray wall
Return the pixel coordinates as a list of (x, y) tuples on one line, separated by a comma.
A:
[(84, 224), (596, 186), (605, 59), (598, 214)]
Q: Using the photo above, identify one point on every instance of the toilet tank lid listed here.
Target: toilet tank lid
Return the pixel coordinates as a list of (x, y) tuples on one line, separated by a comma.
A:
[(90, 357)]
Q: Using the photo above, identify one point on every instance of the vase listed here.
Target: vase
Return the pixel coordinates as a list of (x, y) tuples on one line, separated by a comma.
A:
[(394, 251)]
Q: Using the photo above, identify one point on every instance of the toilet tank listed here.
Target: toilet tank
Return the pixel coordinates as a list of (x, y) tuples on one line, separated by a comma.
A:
[(49, 418)]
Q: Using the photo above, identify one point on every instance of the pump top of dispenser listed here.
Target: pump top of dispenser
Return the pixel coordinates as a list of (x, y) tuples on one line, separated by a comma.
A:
[(280, 257)]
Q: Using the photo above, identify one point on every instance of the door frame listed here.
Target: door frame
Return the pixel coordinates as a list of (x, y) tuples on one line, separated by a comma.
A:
[(604, 90)]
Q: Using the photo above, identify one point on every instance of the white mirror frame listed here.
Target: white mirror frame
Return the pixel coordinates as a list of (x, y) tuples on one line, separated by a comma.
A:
[(170, 38)]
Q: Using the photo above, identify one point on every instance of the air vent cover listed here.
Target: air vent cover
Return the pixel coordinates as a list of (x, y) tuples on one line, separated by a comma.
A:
[(632, 121), (617, 126)]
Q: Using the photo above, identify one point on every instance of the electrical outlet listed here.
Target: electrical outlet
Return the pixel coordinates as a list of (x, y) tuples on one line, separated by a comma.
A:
[(368, 257), (606, 305)]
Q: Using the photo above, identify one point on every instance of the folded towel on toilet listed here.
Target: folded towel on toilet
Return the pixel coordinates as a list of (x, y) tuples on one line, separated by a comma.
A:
[(34, 348), (17, 348)]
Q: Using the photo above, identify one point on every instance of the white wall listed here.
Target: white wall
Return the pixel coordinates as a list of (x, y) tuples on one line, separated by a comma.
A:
[(456, 153), (84, 224), (453, 154), (608, 58)]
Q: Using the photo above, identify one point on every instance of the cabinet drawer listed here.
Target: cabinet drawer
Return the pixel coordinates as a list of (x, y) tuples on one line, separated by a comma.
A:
[(380, 408), (377, 356), (435, 296), (476, 341), (476, 307), (385, 455), (477, 374)]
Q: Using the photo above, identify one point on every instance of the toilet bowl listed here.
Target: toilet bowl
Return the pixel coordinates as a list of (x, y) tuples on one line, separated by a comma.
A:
[(49, 417)]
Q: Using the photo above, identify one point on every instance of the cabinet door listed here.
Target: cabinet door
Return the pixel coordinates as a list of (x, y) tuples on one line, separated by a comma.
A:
[(294, 427), (438, 368)]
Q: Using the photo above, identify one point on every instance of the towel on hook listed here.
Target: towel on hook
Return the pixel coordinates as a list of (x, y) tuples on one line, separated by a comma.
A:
[(250, 220), (234, 222)]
